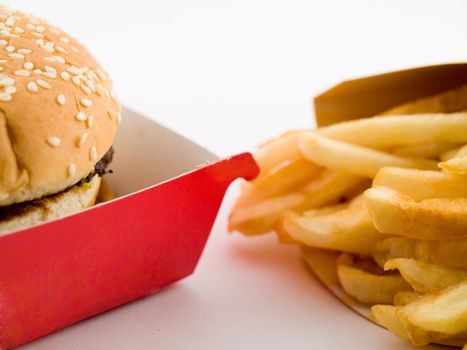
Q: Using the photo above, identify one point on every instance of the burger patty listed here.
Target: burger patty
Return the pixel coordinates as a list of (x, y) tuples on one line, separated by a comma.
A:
[(19, 208), (101, 166)]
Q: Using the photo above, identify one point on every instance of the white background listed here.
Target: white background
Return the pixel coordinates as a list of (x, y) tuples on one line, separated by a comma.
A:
[(229, 74)]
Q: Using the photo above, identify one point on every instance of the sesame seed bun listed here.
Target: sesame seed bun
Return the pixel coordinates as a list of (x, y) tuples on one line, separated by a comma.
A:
[(77, 198), (58, 115)]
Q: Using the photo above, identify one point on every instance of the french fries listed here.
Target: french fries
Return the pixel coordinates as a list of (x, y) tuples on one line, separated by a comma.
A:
[(379, 207), (433, 219), (432, 312), (328, 188), (449, 254), (391, 131), (405, 297), (354, 159), (430, 151), (368, 287), (424, 277), (422, 184), (348, 230)]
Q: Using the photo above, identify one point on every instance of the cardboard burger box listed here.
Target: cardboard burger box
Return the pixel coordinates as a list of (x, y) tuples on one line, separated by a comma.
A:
[(169, 191)]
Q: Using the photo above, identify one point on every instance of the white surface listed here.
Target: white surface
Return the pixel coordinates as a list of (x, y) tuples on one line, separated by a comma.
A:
[(229, 74)]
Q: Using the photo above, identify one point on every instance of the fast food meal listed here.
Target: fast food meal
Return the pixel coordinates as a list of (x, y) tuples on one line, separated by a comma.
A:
[(58, 119), (379, 207)]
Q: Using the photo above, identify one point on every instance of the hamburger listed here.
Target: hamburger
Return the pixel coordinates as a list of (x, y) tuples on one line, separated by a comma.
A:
[(58, 119)]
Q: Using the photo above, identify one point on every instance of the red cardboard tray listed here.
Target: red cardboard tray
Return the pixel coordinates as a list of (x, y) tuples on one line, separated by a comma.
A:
[(58, 273)]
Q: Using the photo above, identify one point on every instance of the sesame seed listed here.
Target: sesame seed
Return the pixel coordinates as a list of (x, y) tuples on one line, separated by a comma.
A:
[(3, 42), (74, 49), (72, 169), (22, 73), (76, 80), (32, 87), (50, 69), (10, 22), (40, 29), (82, 140), (53, 141), (5, 96), (86, 90), (40, 42), (61, 49), (48, 48), (30, 26), (28, 65), (59, 59), (61, 100), (54, 30), (101, 74), (3, 61), (43, 84), (93, 153), (90, 121), (86, 102), (48, 59), (49, 75), (65, 76), (81, 116), (5, 32), (10, 89), (84, 69), (64, 40), (100, 89), (91, 85), (74, 70), (37, 35), (7, 81), (10, 48), (35, 21), (37, 71), (19, 30), (16, 55), (2, 68), (25, 51)]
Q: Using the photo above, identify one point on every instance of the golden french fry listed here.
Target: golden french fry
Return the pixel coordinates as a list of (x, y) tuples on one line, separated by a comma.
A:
[(354, 159), (329, 188), (441, 312), (424, 277), (431, 150), (391, 131), (386, 316), (277, 151), (367, 287), (434, 219), (449, 154), (323, 263), (455, 165), (422, 184), (454, 100), (288, 178), (451, 254), (405, 297), (349, 230)]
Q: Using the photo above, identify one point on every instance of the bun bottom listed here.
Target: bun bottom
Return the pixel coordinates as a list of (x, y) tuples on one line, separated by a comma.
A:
[(75, 199)]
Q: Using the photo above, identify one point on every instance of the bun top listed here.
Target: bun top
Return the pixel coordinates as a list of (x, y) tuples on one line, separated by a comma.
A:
[(58, 114)]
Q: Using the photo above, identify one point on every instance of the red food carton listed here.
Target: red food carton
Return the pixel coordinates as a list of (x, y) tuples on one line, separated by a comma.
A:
[(169, 192)]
